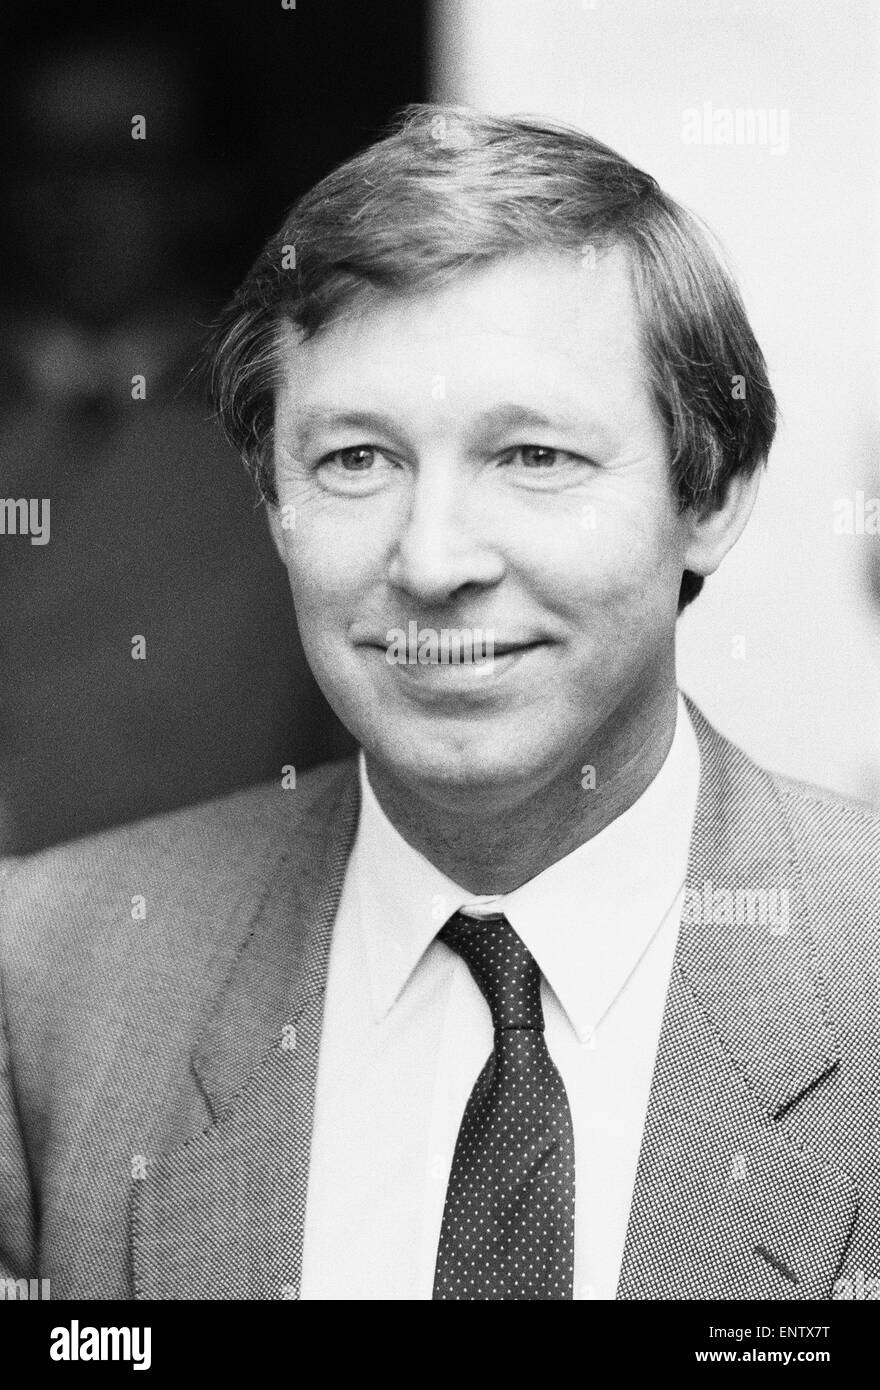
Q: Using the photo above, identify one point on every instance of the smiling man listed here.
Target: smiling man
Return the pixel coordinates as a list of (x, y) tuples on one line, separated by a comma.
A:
[(488, 456), (551, 993)]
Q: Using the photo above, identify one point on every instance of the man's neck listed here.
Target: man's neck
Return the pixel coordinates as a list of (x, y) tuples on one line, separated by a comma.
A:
[(488, 853)]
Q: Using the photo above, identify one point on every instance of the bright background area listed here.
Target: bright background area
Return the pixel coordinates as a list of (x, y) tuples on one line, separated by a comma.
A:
[(802, 230)]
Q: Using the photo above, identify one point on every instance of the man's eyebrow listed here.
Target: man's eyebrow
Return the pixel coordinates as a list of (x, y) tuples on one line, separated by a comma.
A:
[(507, 417), (512, 419), (323, 417), (498, 419)]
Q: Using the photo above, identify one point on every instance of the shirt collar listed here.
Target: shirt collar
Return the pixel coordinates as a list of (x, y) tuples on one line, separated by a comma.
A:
[(588, 919)]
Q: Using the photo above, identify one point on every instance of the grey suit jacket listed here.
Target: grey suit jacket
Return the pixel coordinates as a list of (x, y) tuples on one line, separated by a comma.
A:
[(157, 1073)]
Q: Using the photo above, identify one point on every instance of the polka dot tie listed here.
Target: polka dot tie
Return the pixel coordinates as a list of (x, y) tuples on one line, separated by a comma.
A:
[(508, 1222)]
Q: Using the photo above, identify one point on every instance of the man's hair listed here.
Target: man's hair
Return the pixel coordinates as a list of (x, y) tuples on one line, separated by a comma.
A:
[(451, 189)]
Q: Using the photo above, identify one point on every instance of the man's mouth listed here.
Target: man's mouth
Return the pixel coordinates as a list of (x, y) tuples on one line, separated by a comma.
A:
[(445, 646), (504, 648)]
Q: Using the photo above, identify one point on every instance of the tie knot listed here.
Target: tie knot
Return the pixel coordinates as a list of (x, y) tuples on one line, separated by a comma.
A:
[(505, 970)]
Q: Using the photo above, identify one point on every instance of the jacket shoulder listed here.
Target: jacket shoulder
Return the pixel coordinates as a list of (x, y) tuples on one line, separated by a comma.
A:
[(812, 795), (836, 842), (178, 874), (816, 816), (845, 828), (827, 843)]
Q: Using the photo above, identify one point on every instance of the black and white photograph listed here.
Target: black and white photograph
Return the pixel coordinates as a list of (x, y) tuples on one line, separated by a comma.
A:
[(440, 666)]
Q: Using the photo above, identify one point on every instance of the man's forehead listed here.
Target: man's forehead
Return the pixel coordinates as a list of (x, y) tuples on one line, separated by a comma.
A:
[(530, 333), (553, 292)]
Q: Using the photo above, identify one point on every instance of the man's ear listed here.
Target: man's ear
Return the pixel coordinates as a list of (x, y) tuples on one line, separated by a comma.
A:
[(714, 530), (273, 516)]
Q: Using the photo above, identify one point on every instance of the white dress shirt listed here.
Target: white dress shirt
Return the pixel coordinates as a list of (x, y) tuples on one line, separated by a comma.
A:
[(406, 1033)]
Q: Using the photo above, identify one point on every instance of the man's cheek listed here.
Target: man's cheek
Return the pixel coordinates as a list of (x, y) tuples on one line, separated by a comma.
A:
[(315, 587), (606, 565), (319, 561)]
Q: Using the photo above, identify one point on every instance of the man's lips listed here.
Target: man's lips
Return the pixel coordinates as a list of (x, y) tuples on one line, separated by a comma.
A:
[(500, 645), (493, 651)]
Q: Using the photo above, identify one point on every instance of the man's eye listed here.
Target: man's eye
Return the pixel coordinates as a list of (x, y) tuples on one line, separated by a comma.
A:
[(356, 471), (358, 459), (534, 456)]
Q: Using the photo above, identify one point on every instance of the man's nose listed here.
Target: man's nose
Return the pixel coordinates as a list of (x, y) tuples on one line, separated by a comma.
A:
[(442, 546)]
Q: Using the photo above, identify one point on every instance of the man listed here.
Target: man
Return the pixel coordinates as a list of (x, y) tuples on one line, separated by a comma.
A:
[(555, 994)]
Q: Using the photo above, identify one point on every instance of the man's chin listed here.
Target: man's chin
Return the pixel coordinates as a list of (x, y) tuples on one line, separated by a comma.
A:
[(487, 763)]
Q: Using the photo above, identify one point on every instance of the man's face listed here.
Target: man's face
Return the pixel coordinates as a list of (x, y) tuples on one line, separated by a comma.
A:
[(488, 457)]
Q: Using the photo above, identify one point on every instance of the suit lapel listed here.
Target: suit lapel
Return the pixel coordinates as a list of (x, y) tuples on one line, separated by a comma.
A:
[(733, 1198), (223, 1216)]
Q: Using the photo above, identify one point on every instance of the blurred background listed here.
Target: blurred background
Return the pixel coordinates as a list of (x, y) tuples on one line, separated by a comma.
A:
[(118, 253)]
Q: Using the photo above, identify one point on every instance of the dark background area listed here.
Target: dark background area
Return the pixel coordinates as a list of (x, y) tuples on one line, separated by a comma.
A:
[(118, 253)]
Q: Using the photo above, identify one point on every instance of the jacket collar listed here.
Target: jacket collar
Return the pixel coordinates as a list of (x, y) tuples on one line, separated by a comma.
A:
[(281, 965)]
